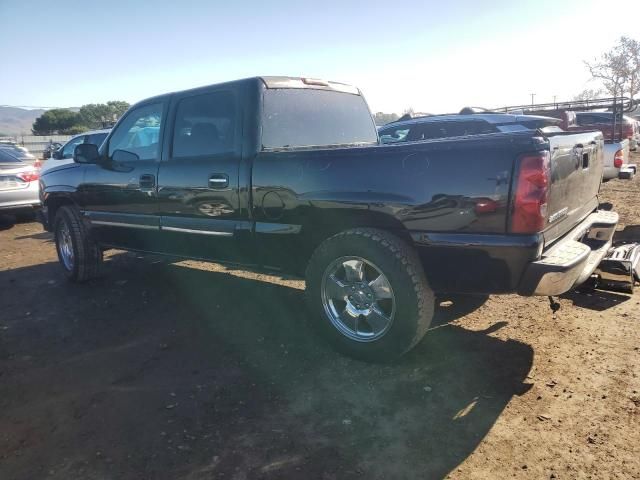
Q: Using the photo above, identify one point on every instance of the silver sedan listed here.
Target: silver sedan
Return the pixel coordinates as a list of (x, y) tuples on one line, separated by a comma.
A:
[(19, 186)]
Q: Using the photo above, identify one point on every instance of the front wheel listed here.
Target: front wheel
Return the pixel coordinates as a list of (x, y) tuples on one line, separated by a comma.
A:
[(79, 256), (367, 291)]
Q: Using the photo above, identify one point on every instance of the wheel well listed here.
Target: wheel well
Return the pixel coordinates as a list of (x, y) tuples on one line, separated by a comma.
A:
[(53, 204), (317, 228)]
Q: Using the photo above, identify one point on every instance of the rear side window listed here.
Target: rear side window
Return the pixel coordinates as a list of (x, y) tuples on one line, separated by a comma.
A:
[(205, 125), (306, 118)]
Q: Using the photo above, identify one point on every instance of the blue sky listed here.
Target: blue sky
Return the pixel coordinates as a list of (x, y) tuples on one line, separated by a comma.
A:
[(432, 56)]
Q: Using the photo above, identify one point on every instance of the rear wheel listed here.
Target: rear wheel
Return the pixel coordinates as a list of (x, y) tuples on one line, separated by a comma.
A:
[(368, 293), (79, 256)]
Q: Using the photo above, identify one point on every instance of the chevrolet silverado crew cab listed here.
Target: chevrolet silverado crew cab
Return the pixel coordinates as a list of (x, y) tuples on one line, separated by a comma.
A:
[(288, 173)]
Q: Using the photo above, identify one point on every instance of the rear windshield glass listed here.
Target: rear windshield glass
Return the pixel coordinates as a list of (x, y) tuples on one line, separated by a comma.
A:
[(7, 156), (536, 123), (306, 118), (598, 118)]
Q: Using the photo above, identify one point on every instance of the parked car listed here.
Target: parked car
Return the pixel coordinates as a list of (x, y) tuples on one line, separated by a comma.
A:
[(616, 159), (618, 144), (64, 155), (50, 149), (288, 173), (19, 152), (19, 190), (459, 125)]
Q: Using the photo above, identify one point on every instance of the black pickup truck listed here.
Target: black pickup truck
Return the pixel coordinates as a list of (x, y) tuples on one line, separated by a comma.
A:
[(288, 173)]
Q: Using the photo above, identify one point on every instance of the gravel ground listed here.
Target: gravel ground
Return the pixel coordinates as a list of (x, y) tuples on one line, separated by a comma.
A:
[(190, 370)]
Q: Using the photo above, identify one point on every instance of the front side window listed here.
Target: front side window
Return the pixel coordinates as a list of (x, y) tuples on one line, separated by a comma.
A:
[(205, 125), (68, 149), (311, 118), (139, 133)]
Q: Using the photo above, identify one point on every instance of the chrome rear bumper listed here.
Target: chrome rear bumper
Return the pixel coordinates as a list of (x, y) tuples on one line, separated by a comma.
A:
[(571, 260)]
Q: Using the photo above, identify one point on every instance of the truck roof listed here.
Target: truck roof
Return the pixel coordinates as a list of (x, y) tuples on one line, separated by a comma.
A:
[(270, 82)]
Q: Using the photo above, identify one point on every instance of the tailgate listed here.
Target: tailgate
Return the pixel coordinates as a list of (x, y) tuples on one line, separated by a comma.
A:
[(576, 174)]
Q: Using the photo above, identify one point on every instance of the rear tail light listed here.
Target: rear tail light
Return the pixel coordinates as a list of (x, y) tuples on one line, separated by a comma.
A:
[(531, 194), (618, 159), (28, 176)]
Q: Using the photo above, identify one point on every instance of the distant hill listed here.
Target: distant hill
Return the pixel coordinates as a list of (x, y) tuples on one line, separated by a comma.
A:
[(16, 121)]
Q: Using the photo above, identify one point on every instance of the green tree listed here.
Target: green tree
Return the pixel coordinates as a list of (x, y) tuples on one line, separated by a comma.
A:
[(100, 115), (57, 120)]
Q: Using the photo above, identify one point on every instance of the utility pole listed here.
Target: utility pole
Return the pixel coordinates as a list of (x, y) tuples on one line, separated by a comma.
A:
[(554, 100), (532, 96)]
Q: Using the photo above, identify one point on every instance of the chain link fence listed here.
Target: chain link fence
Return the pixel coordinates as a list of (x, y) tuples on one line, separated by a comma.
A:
[(36, 144)]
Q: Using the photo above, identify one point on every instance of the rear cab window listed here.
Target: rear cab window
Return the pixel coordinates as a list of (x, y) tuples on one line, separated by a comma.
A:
[(436, 129), (304, 117), (394, 135), (593, 119)]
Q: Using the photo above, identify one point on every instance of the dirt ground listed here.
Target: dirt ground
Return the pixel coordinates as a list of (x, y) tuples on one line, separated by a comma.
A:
[(187, 370)]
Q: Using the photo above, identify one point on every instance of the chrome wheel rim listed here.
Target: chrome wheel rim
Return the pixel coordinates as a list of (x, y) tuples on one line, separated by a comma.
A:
[(358, 299), (65, 246)]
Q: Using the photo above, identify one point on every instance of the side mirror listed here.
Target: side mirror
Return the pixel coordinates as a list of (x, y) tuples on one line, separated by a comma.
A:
[(86, 153), (57, 154)]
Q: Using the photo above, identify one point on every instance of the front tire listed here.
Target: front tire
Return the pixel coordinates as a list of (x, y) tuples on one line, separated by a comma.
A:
[(368, 294), (79, 255)]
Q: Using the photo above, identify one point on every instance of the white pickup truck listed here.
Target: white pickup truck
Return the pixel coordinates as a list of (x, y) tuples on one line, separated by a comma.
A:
[(616, 160)]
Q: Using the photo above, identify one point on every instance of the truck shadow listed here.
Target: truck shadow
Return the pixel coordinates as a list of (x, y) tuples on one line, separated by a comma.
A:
[(8, 221), (630, 233), (598, 300), (173, 372)]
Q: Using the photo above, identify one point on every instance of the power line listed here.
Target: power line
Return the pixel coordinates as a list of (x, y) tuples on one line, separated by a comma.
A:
[(32, 106)]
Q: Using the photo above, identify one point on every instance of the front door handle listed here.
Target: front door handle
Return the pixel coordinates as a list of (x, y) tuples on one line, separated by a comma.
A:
[(147, 181), (219, 181)]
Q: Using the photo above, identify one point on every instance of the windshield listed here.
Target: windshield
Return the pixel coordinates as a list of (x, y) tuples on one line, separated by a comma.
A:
[(305, 117)]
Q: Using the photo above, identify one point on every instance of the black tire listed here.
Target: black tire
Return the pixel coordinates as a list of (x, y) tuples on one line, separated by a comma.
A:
[(87, 256), (399, 262)]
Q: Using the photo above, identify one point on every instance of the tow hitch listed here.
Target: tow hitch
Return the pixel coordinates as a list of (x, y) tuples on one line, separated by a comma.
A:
[(555, 306), (620, 268)]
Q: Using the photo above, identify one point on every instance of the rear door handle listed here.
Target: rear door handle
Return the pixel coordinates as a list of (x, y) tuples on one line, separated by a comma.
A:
[(147, 181), (219, 181)]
